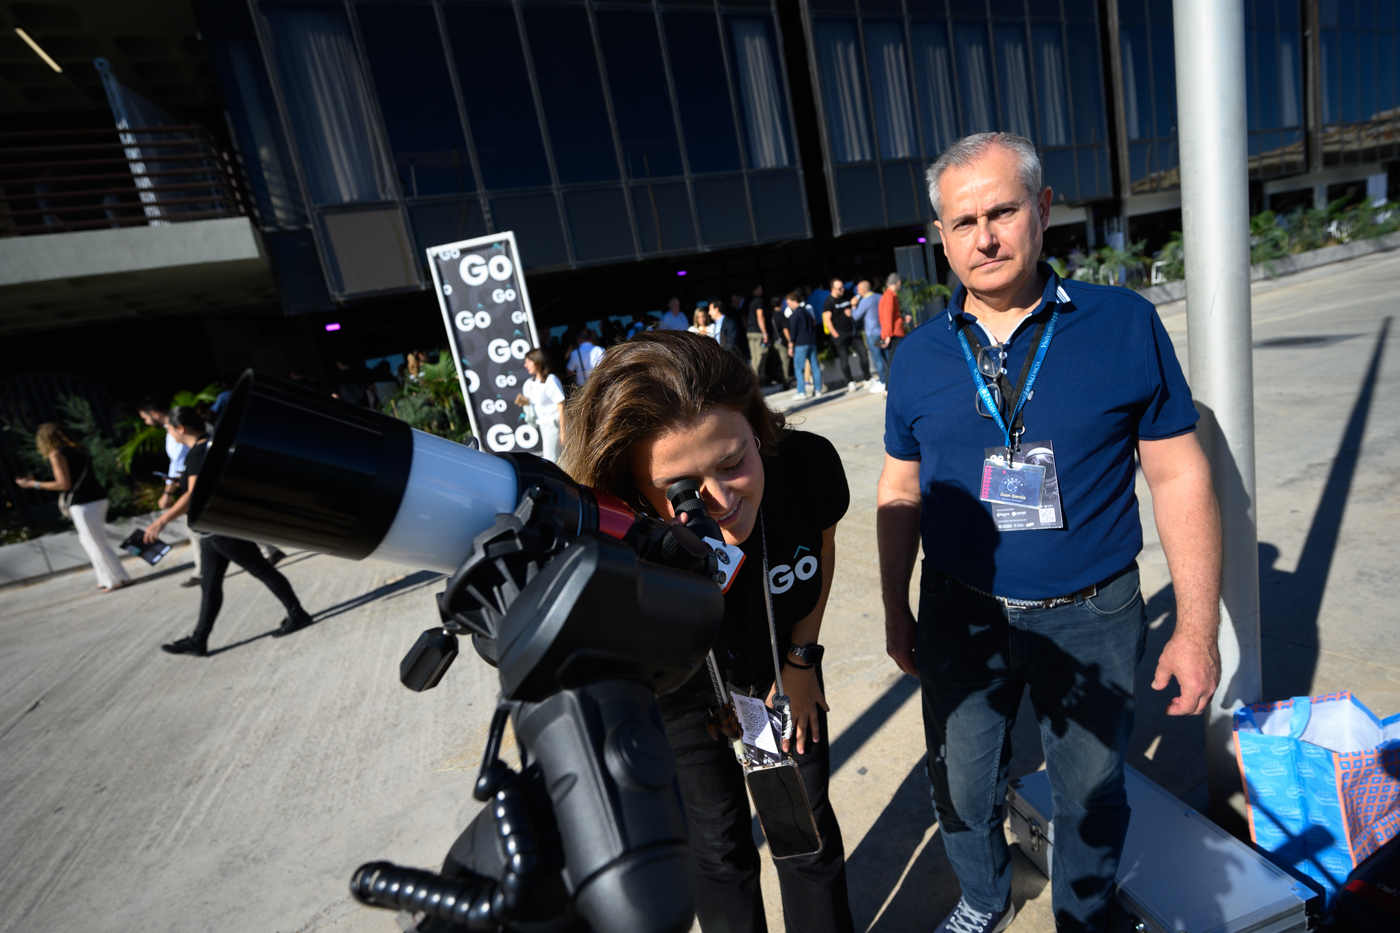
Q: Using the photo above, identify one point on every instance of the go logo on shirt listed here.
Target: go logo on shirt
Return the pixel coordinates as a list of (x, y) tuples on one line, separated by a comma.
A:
[(782, 577)]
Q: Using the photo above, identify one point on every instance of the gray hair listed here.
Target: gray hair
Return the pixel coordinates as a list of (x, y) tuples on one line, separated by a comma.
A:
[(969, 149), (893, 279)]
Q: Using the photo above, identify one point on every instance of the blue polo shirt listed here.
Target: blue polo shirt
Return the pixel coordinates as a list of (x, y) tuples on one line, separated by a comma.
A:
[(1110, 377)]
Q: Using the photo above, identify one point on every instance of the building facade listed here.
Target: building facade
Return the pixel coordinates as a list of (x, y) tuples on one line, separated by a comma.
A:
[(639, 149)]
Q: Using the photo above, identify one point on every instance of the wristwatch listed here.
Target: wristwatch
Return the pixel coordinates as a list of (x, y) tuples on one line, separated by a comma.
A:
[(808, 654)]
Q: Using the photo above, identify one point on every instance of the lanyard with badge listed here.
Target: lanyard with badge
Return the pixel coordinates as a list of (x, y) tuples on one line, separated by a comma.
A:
[(1018, 479), (757, 732)]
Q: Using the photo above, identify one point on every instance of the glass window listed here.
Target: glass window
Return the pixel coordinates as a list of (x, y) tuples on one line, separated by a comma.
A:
[(571, 91), (535, 220), (1164, 69), (761, 92), (724, 212), (416, 99), (975, 78), (778, 206), (253, 113), (702, 91), (1053, 97), (496, 87), (933, 79), (438, 222), (599, 225), (1015, 81), (641, 101), (843, 91), (328, 104), (889, 87), (663, 217), (1086, 83), (1137, 82)]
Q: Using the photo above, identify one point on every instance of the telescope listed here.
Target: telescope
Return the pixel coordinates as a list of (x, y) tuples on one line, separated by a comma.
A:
[(586, 608)]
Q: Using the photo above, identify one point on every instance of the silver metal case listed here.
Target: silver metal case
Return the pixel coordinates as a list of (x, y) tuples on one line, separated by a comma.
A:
[(1180, 873)]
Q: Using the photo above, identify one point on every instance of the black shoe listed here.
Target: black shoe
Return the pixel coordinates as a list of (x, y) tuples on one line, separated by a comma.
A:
[(276, 556), (187, 645), (193, 581), (295, 621)]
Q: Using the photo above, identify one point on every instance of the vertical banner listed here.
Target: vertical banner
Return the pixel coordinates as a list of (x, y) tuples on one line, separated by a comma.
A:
[(490, 328)]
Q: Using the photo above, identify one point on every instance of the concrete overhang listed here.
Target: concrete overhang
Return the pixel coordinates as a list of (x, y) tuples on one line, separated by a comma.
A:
[(62, 279)]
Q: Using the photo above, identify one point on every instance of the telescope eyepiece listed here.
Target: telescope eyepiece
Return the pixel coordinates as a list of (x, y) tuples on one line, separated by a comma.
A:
[(684, 496)]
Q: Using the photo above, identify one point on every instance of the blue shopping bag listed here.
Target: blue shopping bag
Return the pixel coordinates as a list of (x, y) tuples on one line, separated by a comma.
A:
[(1322, 783)]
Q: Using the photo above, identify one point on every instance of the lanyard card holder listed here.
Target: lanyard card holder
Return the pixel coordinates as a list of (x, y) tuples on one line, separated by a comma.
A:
[(784, 811)]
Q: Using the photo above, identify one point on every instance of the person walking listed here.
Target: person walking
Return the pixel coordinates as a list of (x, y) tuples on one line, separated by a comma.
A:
[(187, 426), (545, 394), (671, 406), (866, 317), (728, 331), (585, 356), (84, 499), (673, 318), (838, 317), (891, 320), (1031, 531), (800, 331), (154, 414)]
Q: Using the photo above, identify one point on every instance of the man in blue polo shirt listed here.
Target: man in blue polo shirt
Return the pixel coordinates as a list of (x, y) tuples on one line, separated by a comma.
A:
[(1010, 437)]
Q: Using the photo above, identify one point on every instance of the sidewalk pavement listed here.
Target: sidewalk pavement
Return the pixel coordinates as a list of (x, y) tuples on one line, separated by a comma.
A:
[(139, 790)]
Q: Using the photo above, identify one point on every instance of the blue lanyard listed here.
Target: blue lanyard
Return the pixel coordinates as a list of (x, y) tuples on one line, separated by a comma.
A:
[(985, 394)]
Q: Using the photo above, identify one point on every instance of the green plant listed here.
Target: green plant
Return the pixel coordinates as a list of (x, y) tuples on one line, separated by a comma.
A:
[(1268, 238), (433, 402), (1109, 265), (148, 438), (1173, 258), (917, 295)]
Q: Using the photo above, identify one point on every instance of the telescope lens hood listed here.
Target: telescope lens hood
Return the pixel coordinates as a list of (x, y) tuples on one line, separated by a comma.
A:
[(291, 466)]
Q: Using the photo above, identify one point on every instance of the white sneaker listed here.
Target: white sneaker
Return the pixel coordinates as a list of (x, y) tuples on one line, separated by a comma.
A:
[(854, 386), (964, 919), (875, 385)]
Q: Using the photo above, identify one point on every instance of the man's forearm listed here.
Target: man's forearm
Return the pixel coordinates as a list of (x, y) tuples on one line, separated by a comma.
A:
[(1188, 523), (897, 537)]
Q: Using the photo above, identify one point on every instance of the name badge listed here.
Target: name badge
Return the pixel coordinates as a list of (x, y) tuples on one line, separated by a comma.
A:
[(1025, 492)]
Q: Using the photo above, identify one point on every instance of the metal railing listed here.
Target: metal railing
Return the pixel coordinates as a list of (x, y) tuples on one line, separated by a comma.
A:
[(65, 180)]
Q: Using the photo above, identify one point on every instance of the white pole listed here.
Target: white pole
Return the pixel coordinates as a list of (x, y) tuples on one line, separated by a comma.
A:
[(1210, 86)]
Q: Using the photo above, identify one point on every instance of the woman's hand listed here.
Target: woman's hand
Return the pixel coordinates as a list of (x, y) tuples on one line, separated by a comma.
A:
[(26, 482), (153, 531), (806, 696), (521, 400)]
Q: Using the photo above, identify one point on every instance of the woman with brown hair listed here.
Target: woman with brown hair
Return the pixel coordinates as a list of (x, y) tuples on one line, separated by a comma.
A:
[(87, 502), (545, 393), (670, 405)]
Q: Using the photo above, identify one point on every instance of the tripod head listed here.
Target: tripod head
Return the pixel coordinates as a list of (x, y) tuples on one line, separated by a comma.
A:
[(586, 609)]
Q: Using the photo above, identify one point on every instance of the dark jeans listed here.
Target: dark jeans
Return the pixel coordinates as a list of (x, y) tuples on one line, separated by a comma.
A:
[(215, 553), (975, 658), (889, 352), (844, 346), (721, 834)]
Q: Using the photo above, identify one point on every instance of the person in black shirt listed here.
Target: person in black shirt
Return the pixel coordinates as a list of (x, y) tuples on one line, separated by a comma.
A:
[(837, 316), (800, 330), (74, 476), (187, 427), (728, 331), (671, 406)]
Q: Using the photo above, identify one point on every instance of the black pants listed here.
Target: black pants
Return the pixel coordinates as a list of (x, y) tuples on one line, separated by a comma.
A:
[(844, 345), (215, 553), (721, 834)]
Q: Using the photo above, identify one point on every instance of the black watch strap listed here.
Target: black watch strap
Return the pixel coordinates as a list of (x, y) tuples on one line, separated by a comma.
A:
[(808, 654)]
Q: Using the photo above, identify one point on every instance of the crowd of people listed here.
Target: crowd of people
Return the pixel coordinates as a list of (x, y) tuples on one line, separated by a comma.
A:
[(1029, 578)]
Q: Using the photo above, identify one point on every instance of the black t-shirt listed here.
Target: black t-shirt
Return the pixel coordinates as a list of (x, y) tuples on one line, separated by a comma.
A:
[(755, 309), (800, 323), (841, 325), (89, 489), (804, 493), (194, 461)]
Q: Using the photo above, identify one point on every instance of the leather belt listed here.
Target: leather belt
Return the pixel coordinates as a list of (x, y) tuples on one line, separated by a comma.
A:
[(1050, 603)]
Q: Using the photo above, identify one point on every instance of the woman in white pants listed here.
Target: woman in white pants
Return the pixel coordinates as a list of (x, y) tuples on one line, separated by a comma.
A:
[(72, 471), (546, 393)]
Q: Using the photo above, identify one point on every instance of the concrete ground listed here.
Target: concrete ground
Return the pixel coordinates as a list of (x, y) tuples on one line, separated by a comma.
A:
[(144, 791)]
